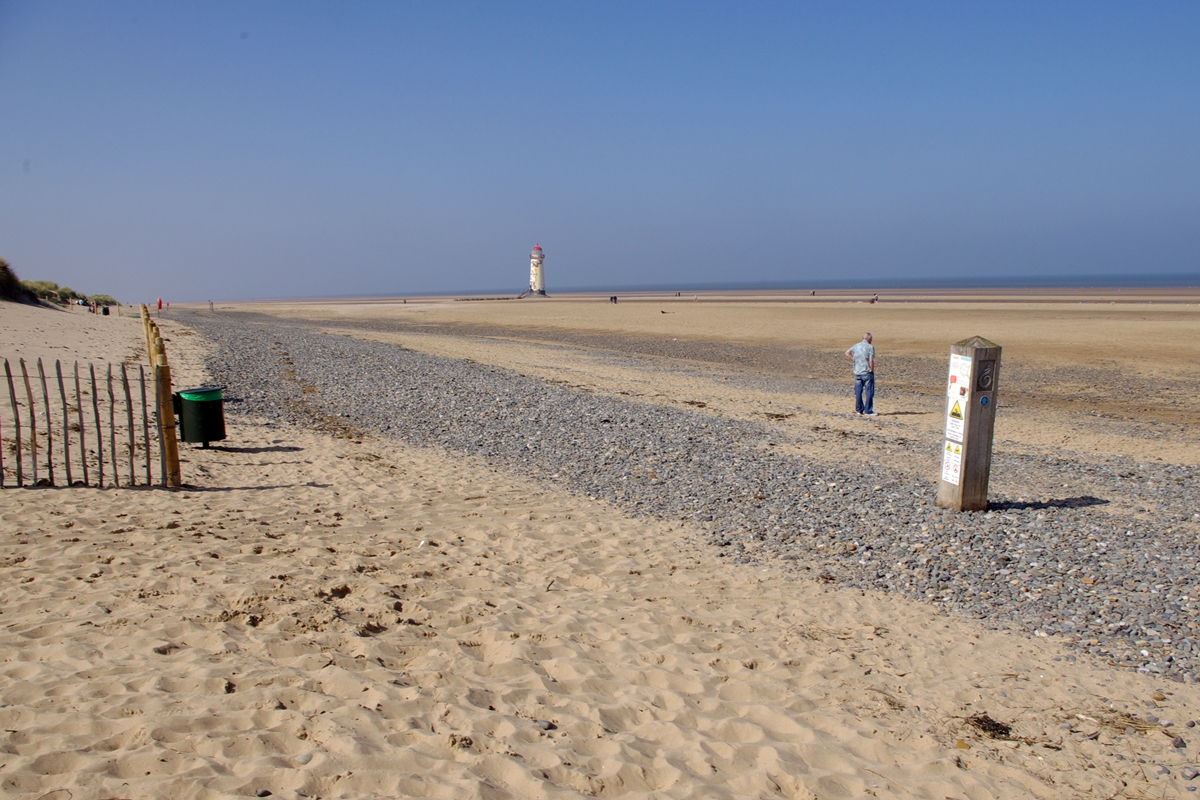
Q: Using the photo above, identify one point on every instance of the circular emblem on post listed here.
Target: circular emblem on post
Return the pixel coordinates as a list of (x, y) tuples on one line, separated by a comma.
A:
[(983, 401), (987, 374)]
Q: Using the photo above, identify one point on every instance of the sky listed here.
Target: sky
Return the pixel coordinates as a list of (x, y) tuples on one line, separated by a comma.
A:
[(218, 150)]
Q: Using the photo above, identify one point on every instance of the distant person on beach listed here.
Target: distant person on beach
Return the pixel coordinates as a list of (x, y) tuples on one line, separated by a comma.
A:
[(863, 356)]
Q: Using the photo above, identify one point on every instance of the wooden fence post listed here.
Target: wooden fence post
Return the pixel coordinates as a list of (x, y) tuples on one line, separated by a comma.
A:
[(32, 421), (49, 424), (79, 414), (129, 419), (970, 420), (145, 424), (145, 313), (1, 456), (148, 331), (158, 422), (62, 393), (170, 444), (99, 430), (112, 429), (12, 399)]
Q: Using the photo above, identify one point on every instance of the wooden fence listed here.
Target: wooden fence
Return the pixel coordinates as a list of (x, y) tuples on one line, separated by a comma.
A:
[(49, 438)]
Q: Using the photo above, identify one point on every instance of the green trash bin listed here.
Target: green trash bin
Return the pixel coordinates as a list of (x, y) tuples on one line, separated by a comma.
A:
[(201, 414)]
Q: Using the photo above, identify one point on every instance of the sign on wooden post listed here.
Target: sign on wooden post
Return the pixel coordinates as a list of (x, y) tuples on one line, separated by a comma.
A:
[(970, 419)]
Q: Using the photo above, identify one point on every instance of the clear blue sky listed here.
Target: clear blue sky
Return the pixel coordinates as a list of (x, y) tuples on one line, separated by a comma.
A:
[(236, 150)]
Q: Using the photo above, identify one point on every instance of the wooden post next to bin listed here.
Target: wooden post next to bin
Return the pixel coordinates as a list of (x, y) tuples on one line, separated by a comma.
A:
[(172, 477), (971, 400)]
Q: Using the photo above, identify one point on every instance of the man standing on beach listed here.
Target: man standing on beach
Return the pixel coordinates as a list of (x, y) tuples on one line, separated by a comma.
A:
[(863, 356)]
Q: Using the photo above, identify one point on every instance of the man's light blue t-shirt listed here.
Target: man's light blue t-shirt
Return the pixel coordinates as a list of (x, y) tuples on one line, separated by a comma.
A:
[(863, 352)]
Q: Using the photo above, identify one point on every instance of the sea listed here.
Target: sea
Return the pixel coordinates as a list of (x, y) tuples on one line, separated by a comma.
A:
[(1113, 281)]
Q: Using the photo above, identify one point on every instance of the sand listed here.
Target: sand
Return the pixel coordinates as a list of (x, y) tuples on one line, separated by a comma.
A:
[(1118, 329), (347, 617)]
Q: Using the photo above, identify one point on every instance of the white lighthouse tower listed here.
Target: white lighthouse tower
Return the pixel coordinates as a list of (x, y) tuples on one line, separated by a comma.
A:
[(537, 281)]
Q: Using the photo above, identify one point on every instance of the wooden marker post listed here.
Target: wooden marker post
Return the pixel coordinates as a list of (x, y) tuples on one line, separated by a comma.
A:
[(970, 419)]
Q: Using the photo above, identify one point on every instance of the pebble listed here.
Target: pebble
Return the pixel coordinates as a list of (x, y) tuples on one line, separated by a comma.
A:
[(1119, 586), (1189, 773)]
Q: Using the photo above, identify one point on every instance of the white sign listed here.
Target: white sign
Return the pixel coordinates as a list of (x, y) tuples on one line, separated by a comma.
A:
[(959, 384), (955, 413), (952, 463)]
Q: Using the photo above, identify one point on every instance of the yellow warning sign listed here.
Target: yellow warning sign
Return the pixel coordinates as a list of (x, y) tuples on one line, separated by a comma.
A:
[(956, 411)]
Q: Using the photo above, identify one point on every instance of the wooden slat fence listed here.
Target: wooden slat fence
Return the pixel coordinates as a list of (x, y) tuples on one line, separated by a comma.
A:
[(30, 430), (46, 439)]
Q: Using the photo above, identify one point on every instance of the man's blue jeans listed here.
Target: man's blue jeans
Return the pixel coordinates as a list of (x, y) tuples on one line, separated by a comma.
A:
[(864, 385)]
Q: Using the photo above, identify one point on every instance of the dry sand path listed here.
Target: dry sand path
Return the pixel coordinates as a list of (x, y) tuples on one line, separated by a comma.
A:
[(340, 617)]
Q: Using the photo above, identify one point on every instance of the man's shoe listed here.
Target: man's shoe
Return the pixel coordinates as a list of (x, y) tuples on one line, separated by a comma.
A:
[(870, 414)]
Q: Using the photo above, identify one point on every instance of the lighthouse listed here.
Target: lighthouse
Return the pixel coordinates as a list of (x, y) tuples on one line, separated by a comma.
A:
[(537, 281)]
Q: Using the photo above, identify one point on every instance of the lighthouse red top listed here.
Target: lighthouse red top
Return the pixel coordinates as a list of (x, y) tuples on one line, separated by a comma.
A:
[(537, 246)]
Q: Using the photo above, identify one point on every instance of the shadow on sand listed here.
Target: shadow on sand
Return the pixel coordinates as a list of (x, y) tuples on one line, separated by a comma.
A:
[(313, 484)]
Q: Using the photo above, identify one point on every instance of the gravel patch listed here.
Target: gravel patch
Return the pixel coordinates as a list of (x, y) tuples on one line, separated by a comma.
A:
[(1123, 587)]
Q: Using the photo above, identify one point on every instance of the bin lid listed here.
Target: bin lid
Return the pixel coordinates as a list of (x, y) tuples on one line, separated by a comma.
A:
[(201, 394)]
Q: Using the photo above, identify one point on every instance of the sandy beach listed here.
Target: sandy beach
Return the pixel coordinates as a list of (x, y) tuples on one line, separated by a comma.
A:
[(329, 608)]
